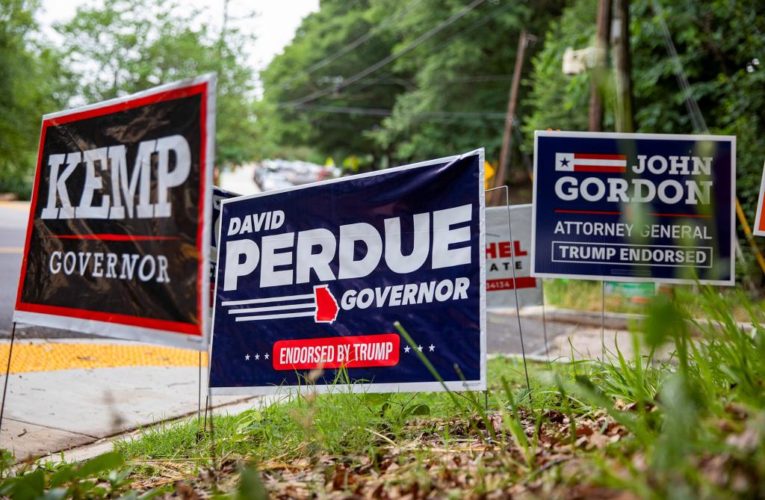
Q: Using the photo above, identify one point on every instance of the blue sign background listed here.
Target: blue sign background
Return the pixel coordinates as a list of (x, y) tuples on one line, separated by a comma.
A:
[(716, 219), (453, 327)]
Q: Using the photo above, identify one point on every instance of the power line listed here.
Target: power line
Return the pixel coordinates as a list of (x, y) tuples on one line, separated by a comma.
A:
[(456, 79), (350, 110), (699, 124), (501, 78), (351, 46), (475, 79), (391, 57)]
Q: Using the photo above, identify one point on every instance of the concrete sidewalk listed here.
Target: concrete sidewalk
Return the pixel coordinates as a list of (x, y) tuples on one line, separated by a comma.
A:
[(68, 393)]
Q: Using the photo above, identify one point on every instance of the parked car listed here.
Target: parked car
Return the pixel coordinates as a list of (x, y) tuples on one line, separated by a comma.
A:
[(278, 174)]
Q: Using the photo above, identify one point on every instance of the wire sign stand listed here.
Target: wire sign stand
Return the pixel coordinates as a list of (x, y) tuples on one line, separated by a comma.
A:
[(7, 373), (515, 288)]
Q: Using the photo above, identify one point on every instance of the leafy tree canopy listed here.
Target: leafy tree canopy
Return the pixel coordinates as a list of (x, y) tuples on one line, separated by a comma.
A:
[(30, 85), (126, 46), (461, 76), (305, 98), (719, 43), (398, 80)]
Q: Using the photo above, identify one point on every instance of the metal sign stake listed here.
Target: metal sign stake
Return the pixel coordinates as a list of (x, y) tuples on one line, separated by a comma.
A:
[(199, 388), (603, 320), (7, 373), (515, 282)]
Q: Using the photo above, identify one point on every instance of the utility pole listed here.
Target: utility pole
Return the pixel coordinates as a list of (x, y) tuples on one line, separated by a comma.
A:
[(512, 102), (599, 72), (623, 67)]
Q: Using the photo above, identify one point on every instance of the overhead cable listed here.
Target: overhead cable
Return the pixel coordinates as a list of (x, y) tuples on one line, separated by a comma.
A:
[(391, 57)]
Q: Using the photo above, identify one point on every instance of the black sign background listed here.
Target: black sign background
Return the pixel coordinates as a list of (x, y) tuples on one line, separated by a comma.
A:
[(174, 306)]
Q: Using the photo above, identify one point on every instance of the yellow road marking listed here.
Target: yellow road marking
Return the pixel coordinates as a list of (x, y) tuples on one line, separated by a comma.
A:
[(11, 249), (39, 357)]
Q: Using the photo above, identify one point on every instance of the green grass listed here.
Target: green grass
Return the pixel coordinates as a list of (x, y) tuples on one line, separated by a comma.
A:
[(340, 423), (570, 294), (584, 295), (691, 426)]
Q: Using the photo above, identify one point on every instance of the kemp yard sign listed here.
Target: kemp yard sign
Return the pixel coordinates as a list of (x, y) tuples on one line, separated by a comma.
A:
[(314, 277), (508, 258), (117, 242), (634, 207)]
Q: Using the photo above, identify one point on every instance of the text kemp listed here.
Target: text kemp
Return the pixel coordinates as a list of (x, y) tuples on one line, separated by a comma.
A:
[(118, 200)]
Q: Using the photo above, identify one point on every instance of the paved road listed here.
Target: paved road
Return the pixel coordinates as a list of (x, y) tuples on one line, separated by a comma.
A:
[(13, 223), (503, 335)]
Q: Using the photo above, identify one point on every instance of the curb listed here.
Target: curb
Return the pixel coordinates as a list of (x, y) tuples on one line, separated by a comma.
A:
[(106, 444), (611, 320)]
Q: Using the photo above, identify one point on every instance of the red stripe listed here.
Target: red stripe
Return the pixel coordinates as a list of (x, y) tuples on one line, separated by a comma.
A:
[(203, 189), (31, 220), (588, 156), (586, 212), (599, 169), (113, 237), (508, 284), (691, 216), (167, 95), (123, 319), (606, 212)]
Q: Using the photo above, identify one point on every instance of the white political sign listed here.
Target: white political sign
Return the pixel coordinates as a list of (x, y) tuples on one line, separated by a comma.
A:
[(508, 245)]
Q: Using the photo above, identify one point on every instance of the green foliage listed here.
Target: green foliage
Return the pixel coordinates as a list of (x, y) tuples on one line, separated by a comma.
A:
[(334, 124), (250, 485), (719, 51), (443, 83), (113, 49), (461, 77), (557, 101), (701, 405), (30, 85), (104, 476), (124, 46)]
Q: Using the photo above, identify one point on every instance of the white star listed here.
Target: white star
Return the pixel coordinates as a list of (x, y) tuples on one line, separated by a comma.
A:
[(266, 355), (407, 349), (419, 348), (257, 357), (431, 347), (246, 357)]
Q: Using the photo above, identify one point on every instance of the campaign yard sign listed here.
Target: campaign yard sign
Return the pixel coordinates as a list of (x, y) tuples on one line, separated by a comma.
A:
[(117, 242), (508, 246), (218, 195), (634, 207), (314, 277)]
